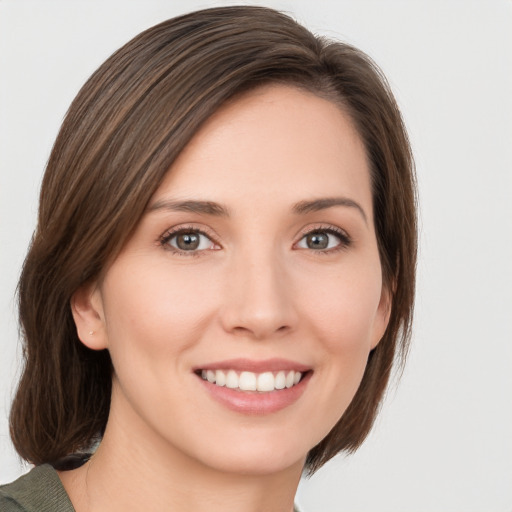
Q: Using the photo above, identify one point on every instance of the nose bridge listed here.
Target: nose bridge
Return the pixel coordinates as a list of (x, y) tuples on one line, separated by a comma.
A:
[(259, 302)]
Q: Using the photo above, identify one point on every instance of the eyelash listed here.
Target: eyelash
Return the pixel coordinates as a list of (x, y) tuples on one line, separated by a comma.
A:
[(170, 234), (344, 239)]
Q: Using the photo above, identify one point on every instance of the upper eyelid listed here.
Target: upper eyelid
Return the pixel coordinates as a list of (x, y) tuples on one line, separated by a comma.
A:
[(169, 233), (323, 227)]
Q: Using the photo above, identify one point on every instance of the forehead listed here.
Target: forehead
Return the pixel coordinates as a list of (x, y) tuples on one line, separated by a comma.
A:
[(276, 141)]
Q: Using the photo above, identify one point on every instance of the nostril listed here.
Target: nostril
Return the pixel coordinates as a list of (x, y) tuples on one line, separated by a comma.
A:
[(241, 330)]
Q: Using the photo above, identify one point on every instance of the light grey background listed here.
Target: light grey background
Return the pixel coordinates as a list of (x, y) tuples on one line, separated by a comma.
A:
[(443, 442)]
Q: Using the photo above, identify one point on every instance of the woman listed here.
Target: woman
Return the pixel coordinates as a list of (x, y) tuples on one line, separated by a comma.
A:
[(222, 274)]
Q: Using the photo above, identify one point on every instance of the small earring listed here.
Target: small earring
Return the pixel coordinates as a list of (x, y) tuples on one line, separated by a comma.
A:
[(91, 333)]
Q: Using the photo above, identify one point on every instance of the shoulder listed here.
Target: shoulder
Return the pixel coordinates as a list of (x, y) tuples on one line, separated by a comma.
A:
[(40, 490)]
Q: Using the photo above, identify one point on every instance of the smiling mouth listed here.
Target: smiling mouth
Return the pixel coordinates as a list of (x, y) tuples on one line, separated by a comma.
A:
[(250, 381)]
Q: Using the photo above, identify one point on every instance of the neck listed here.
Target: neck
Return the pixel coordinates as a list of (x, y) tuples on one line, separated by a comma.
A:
[(148, 474)]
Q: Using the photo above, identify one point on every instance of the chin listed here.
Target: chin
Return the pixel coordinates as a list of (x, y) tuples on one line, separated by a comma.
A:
[(261, 463)]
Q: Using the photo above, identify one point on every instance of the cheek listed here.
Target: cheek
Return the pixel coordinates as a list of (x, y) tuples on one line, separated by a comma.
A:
[(342, 314), (154, 320), (344, 307), (151, 312)]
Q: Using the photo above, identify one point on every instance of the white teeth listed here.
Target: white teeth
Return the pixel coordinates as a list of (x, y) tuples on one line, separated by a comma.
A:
[(266, 382), (232, 379), (220, 378), (247, 381), (280, 380), (289, 379), (250, 381)]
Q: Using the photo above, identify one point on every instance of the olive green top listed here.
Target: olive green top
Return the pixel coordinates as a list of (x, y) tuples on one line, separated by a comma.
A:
[(40, 490)]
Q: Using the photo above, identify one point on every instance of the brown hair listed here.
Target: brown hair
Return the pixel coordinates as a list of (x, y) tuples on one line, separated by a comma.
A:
[(121, 135)]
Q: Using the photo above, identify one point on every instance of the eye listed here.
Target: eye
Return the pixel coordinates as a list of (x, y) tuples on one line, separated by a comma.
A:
[(188, 240), (325, 239)]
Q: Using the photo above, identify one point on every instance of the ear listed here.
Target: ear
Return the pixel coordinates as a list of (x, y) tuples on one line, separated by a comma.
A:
[(382, 316), (87, 310)]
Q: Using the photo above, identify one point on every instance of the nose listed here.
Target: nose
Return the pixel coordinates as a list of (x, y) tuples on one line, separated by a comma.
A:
[(259, 299)]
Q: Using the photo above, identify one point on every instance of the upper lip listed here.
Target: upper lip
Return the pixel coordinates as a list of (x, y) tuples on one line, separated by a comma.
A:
[(251, 365)]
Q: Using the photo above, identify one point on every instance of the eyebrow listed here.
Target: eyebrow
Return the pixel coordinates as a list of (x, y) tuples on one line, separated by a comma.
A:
[(316, 205), (218, 210), (203, 207)]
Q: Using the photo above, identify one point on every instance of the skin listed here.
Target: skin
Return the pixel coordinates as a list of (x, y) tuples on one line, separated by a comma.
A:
[(255, 289)]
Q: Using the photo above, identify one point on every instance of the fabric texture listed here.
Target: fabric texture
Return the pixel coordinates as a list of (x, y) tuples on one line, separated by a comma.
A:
[(40, 490)]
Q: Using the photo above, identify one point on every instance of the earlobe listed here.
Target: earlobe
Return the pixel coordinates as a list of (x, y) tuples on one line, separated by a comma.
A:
[(87, 310), (382, 317)]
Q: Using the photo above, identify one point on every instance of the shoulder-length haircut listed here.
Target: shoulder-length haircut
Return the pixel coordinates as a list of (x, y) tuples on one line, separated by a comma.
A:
[(121, 136)]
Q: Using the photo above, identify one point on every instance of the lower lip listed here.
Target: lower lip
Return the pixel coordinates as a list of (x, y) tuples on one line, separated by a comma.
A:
[(255, 402)]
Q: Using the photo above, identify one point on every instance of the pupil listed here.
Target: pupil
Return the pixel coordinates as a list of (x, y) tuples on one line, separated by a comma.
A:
[(188, 241), (317, 241)]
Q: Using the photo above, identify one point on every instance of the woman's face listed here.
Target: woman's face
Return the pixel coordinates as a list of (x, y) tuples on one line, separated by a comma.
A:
[(254, 266)]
